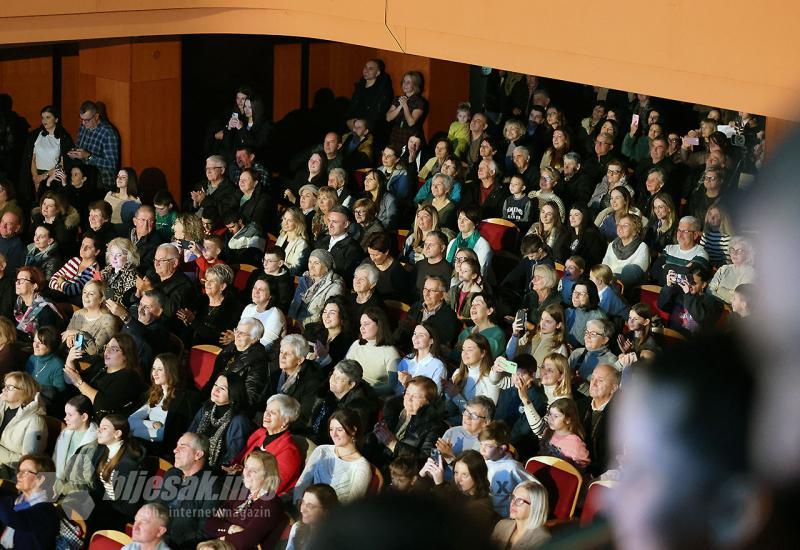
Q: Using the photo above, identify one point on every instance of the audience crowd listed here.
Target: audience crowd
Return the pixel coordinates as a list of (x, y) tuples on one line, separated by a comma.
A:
[(402, 312)]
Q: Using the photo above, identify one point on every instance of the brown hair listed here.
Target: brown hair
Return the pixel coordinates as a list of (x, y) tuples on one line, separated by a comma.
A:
[(461, 375), (173, 376)]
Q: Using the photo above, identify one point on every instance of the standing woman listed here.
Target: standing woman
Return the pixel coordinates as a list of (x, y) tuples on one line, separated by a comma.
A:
[(375, 351), (45, 152), (318, 500), (293, 239), (524, 529), (408, 112), (23, 428), (127, 190)]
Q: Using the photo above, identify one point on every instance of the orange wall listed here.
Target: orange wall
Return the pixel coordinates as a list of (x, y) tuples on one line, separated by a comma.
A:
[(28, 77)]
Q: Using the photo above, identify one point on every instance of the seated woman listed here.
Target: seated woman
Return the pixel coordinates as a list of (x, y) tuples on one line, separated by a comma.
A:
[(367, 222), (93, 323), (70, 280), (385, 203), (480, 313), (426, 220), (473, 377), (218, 311), (717, 233), (394, 280), (661, 231), (119, 274), (469, 486), (168, 409), (524, 529), (410, 431), (424, 360), (314, 174), (299, 378), (550, 228), (639, 338), (44, 251), (583, 238), (611, 302), (340, 465), (318, 501), (740, 271), (117, 456), (112, 383), (364, 295), (470, 284), (263, 308), (63, 219), (450, 168), (31, 520), (542, 293), (293, 238), (375, 351), (549, 338), (443, 190), (32, 310), (10, 352), (246, 357), (621, 204), (187, 228), (596, 339), (627, 255), (45, 366), (585, 307), (314, 287), (126, 190), (338, 322), (75, 447), (326, 200), (223, 421), (100, 221), (23, 428), (248, 522), (274, 437), (468, 236)]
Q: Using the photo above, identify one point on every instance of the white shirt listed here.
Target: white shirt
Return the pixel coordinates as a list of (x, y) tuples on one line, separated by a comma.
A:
[(273, 320), (47, 150), (335, 240)]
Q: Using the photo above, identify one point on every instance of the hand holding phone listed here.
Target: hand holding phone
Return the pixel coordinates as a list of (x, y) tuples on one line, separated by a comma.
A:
[(78, 344)]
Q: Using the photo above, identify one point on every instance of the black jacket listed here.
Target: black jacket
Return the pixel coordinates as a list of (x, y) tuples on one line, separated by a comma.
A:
[(361, 398), (419, 439), (284, 282), (190, 503), (492, 207), (371, 103), (347, 254), (146, 246), (224, 199), (250, 364), (305, 390), (444, 320), (129, 465), (597, 427), (704, 308), (259, 209), (180, 293)]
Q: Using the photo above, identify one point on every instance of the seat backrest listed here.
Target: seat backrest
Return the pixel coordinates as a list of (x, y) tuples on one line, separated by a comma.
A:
[(108, 540), (54, 427), (649, 296), (562, 481), (201, 363), (596, 501), (396, 311), (500, 234), (276, 534), (241, 276), (304, 445), (376, 482)]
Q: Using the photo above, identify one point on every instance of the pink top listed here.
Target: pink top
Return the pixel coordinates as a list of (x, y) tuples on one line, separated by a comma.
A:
[(572, 447)]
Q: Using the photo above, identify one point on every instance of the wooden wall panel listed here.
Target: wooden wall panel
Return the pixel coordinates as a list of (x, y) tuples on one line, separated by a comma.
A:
[(155, 60), (286, 73), (116, 96), (336, 66), (29, 82), (448, 86), (70, 93), (107, 58)]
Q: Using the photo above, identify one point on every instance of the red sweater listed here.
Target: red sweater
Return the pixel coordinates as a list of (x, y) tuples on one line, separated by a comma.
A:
[(290, 463)]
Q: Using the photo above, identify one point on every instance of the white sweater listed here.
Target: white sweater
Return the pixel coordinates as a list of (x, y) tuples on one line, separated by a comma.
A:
[(273, 320), (641, 258), (350, 480)]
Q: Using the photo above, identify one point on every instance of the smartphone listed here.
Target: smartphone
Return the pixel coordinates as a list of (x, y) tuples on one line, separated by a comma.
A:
[(634, 120), (693, 141), (185, 244), (522, 314), (235, 115), (435, 455), (509, 366), (79, 341), (679, 278)]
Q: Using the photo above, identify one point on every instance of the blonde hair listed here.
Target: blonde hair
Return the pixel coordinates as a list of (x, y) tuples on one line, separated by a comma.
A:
[(299, 219), (563, 388), (126, 246), (25, 383), (8, 332), (270, 466), (537, 495)]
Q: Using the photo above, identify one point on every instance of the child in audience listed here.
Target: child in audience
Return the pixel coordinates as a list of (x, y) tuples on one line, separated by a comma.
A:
[(610, 300), (212, 248), (458, 133), (164, 206), (505, 473), (563, 437), (742, 297), (403, 471), (517, 207)]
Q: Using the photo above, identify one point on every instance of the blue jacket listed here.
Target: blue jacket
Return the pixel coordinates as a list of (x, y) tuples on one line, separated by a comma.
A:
[(35, 527)]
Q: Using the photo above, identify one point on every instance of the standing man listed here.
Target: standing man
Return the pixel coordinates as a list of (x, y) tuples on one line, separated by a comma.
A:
[(97, 146)]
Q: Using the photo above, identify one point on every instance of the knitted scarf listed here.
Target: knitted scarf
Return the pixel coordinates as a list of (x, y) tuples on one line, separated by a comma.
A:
[(623, 252), (315, 287), (461, 242), (214, 429)]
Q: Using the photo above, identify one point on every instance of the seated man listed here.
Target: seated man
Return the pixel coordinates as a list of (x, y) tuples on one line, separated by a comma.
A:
[(173, 284), (434, 264), (346, 251), (679, 255), (432, 309), (11, 245), (597, 418), (357, 146), (476, 416), (246, 243), (187, 491), (146, 323), (691, 309), (145, 236), (149, 527), (216, 190)]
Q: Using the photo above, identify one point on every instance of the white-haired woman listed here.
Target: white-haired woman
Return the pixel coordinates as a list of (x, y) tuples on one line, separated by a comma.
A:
[(365, 279), (741, 271), (218, 312), (299, 378), (524, 529)]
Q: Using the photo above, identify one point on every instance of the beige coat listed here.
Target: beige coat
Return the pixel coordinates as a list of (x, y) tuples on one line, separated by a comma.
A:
[(25, 434)]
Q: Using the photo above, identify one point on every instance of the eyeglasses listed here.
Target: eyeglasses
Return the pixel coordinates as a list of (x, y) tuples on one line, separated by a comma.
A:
[(685, 231), (579, 293), (20, 472), (162, 260), (516, 501), (431, 290), (472, 415), (737, 251), (593, 334), (613, 171), (9, 387), (19, 281)]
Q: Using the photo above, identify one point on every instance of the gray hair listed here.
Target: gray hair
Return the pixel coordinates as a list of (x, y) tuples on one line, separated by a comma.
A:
[(255, 327), (691, 220), (126, 246), (351, 369), (171, 248), (492, 165), (289, 406), (218, 159), (745, 244), (658, 172), (524, 151), (297, 343), (199, 442), (158, 511), (339, 174), (573, 156), (447, 181), (606, 327), (222, 273), (371, 271), (485, 403)]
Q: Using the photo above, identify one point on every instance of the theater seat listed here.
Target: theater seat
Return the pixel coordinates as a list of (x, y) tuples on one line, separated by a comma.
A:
[(501, 234), (397, 311), (201, 363), (376, 483), (109, 540), (596, 501), (649, 296), (242, 275), (562, 481)]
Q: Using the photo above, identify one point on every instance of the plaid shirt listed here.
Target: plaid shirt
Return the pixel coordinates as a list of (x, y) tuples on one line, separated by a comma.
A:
[(103, 143)]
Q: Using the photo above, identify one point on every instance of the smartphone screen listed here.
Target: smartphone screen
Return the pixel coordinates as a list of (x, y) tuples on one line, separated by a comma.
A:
[(79, 341), (635, 119), (522, 315)]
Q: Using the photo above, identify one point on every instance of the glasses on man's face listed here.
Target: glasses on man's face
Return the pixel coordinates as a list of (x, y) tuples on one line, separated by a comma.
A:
[(472, 416), (614, 172), (163, 260), (431, 291), (592, 334)]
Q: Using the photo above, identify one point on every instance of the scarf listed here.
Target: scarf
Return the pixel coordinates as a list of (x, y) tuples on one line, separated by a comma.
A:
[(461, 242), (622, 251), (214, 429), (26, 318), (315, 287)]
